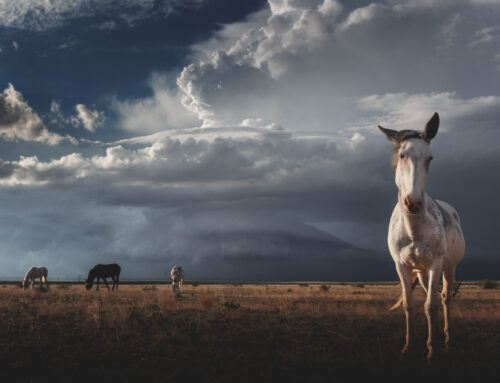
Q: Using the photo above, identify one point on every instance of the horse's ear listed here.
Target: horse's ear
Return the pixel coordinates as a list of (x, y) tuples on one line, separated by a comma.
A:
[(392, 135), (431, 128)]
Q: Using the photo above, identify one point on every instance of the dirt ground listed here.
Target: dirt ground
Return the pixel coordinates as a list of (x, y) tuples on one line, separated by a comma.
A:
[(307, 332)]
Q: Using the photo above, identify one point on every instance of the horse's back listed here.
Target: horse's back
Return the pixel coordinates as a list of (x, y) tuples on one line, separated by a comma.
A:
[(455, 241), (110, 266), (37, 270)]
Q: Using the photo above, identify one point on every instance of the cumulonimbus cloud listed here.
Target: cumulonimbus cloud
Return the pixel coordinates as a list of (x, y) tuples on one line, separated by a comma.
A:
[(162, 111)]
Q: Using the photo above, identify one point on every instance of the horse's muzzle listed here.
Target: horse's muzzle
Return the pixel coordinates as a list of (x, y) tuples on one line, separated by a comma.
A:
[(413, 206)]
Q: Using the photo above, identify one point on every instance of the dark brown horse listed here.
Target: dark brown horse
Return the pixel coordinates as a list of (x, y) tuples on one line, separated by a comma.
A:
[(104, 271)]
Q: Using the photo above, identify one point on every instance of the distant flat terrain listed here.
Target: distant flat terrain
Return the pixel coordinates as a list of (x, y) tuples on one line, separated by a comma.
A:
[(308, 332)]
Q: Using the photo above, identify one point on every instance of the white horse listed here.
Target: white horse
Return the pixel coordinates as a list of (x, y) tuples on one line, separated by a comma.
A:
[(34, 273), (177, 274), (424, 234)]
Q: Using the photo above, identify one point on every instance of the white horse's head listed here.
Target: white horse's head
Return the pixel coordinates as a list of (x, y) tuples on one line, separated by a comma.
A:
[(411, 157)]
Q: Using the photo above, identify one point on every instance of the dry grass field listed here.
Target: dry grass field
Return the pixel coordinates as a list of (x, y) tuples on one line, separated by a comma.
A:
[(237, 333)]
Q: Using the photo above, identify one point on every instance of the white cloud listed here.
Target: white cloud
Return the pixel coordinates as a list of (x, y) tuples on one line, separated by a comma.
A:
[(39, 15), (19, 121), (363, 14), (449, 31), (107, 26), (486, 35), (304, 65), (268, 156), (90, 119), (162, 111)]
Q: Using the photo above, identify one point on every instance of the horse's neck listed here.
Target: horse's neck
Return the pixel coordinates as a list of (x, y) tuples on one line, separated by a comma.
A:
[(414, 224)]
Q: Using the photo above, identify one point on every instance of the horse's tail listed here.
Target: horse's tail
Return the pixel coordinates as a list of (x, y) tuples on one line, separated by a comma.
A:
[(414, 282)]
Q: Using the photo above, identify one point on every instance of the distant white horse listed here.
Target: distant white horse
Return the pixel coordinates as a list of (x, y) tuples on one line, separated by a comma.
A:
[(177, 274), (424, 234), (34, 273)]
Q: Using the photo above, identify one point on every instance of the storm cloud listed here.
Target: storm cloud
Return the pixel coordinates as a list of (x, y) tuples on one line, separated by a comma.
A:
[(260, 158)]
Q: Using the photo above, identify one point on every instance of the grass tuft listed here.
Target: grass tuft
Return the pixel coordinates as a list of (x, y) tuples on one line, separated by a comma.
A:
[(488, 285)]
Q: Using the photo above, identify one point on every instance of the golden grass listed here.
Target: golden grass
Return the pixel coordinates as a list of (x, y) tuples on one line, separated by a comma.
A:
[(234, 332)]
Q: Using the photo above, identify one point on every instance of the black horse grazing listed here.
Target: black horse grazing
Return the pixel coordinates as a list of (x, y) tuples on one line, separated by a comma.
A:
[(104, 271)]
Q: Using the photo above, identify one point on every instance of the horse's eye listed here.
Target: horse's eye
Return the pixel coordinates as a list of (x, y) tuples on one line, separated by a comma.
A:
[(430, 159), (401, 155)]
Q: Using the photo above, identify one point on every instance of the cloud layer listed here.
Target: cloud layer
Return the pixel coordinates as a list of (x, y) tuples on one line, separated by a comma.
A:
[(267, 136)]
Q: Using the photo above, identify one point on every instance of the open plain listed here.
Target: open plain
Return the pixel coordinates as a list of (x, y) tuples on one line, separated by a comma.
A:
[(308, 332)]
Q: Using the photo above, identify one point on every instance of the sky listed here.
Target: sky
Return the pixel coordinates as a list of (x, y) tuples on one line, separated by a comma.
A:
[(239, 139)]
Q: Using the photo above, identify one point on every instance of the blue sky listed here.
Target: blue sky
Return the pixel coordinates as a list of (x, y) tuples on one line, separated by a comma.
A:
[(239, 138)]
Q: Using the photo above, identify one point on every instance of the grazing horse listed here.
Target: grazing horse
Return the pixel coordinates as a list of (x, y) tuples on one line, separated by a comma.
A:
[(177, 274), (424, 234), (34, 273), (102, 272)]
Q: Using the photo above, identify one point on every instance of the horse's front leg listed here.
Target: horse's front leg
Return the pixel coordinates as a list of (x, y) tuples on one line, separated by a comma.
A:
[(405, 275), (98, 283), (432, 304), (106, 283)]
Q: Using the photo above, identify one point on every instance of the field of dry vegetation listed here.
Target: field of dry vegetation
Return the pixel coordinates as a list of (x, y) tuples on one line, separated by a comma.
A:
[(237, 333)]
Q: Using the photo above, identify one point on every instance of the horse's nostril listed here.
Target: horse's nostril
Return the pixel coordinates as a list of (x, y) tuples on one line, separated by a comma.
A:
[(412, 205)]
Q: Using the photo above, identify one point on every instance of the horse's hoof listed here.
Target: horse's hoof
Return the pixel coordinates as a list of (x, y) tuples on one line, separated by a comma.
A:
[(405, 353), (432, 357)]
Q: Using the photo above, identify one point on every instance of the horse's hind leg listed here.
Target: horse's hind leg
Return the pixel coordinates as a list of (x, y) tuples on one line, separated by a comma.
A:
[(114, 282), (98, 281), (446, 296)]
